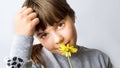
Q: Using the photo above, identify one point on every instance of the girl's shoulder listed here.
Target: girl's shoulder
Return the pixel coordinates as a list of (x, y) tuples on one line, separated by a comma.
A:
[(92, 52), (95, 56)]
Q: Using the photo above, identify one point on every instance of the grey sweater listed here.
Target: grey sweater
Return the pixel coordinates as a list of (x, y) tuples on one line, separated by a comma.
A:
[(84, 58)]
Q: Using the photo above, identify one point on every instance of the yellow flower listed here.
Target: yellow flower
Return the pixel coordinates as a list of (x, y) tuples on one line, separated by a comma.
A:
[(67, 49)]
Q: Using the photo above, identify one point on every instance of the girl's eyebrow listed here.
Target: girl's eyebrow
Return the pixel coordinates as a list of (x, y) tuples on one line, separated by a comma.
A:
[(39, 33), (59, 20)]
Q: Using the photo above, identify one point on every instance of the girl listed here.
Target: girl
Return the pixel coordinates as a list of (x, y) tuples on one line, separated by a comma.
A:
[(52, 22)]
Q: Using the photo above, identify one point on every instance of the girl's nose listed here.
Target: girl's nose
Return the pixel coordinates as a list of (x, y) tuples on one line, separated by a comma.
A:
[(58, 38)]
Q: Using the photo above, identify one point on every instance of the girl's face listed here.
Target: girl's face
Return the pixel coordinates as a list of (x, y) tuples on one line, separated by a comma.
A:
[(61, 32)]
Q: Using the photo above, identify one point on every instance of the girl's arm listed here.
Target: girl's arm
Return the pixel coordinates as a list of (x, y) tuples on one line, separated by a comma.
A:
[(20, 53), (25, 22)]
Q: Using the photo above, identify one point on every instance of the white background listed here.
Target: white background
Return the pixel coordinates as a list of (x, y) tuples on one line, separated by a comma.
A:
[(97, 21)]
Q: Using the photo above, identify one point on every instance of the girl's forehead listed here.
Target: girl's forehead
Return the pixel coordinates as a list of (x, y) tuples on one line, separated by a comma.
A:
[(48, 28)]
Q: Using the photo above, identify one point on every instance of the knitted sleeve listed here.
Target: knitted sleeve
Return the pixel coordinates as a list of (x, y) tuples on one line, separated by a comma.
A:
[(20, 53)]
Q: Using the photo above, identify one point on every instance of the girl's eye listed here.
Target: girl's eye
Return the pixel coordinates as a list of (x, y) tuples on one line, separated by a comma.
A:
[(60, 25), (43, 36)]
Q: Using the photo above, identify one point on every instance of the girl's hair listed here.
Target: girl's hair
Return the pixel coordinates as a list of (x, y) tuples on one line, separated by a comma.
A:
[(49, 12)]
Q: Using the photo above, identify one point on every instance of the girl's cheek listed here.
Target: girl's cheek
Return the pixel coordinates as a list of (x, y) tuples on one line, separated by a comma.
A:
[(47, 42), (67, 32)]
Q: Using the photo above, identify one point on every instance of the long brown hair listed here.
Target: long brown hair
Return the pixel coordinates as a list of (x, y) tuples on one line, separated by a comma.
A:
[(36, 54), (49, 12)]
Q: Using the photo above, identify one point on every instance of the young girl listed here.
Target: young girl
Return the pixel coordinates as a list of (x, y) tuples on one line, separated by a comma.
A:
[(52, 22)]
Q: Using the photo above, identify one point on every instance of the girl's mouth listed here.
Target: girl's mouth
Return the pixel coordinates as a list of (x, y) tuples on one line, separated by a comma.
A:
[(67, 43)]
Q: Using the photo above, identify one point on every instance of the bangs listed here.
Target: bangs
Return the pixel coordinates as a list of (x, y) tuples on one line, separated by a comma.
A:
[(49, 11), (49, 15)]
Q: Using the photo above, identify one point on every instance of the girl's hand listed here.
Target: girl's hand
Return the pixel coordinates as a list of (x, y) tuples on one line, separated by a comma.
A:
[(26, 21)]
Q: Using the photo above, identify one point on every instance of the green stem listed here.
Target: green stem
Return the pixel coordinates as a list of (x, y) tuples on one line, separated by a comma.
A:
[(69, 61)]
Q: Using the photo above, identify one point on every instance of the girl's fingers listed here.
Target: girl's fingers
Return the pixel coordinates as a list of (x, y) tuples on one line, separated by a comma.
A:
[(22, 9), (35, 21), (27, 11), (31, 16)]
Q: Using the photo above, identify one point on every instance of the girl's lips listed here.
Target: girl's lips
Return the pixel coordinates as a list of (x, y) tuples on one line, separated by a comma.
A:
[(67, 43)]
